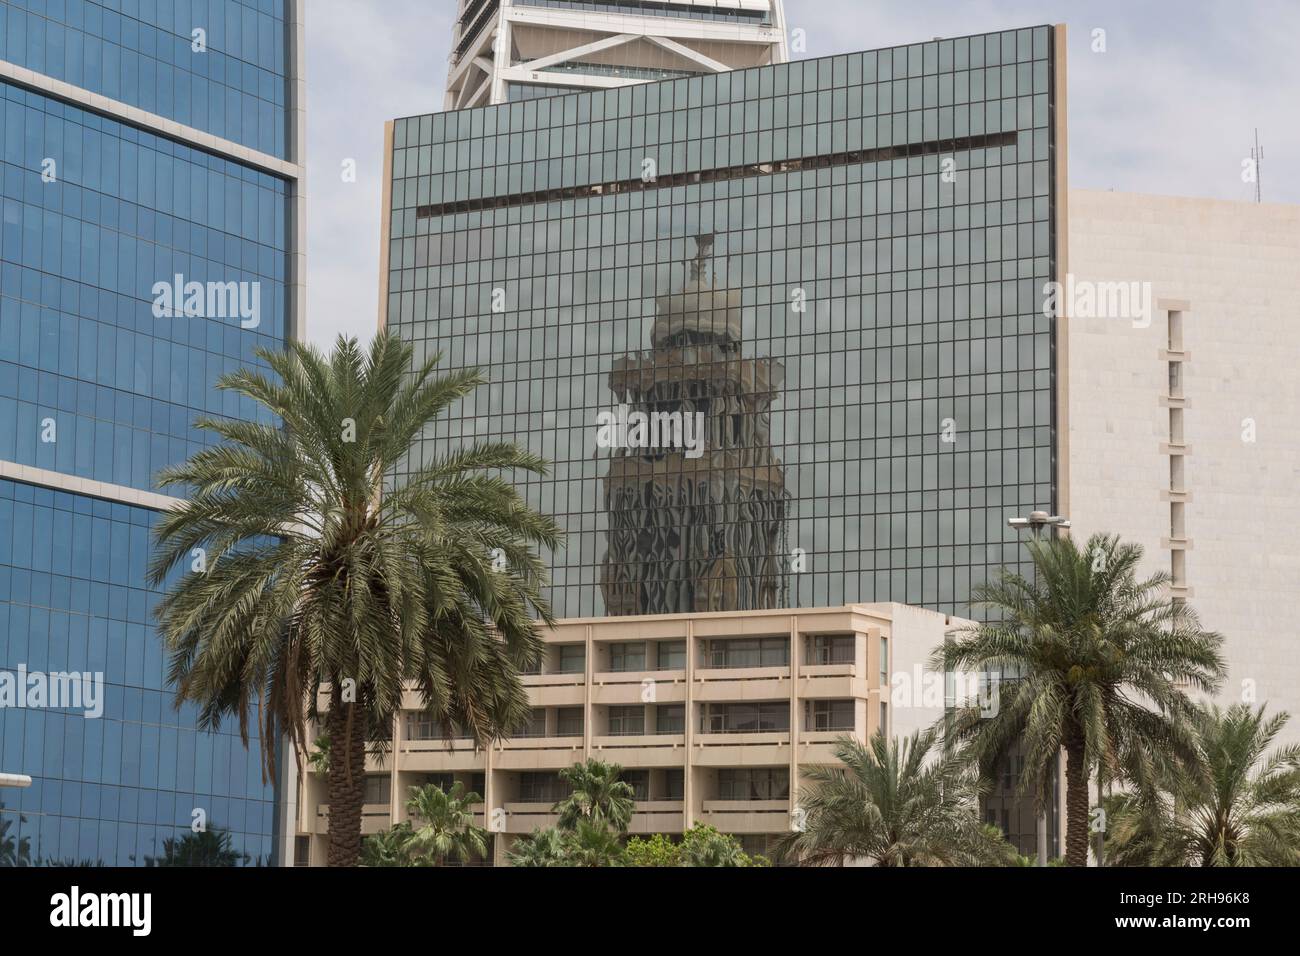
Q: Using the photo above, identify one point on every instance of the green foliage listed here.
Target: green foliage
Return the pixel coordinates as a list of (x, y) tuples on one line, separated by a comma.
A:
[(588, 844), (598, 796), (211, 847), (389, 847), (703, 845), (593, 844), (317, 569), (654, 850), (319, 757), (894, 803), (546, 847), (444, 827), (441, 831), (1104, 662), (1236, 804), (14, 851)]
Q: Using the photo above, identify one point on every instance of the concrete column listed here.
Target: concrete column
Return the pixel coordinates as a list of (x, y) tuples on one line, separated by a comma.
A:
[(589, 665), (688, 763), (796, 718), (395, 799)]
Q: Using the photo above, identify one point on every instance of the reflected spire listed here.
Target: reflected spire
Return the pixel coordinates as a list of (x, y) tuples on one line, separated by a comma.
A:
[(696, 500)]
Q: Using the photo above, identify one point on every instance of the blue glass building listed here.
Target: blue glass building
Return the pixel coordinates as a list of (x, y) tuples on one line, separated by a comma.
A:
[(105, 202)]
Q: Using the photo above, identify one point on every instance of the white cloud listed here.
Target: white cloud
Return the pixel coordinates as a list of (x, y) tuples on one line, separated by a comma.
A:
[(366, 64)]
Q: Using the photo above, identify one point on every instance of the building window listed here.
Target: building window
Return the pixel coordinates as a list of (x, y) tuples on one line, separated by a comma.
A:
[(639, 781), (748, 652), (443, 781), (754, 783), (671, 655), (540, 786), (573, 659), (822, 715), (745, 718), (536, 725), (627, 657), (302, 851), (884, 662), (626, 721), (420, 726), (755, 844), (569, 722), (674, 784), (670, 719), (831, 649), (379, 789)]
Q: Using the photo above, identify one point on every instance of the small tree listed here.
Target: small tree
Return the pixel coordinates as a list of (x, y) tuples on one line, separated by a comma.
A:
[(597, 796), (893, 802), (1236, 805), (593, 844), (703, 845), (389, 847), (444, 827), (654, 850), (540, 848)]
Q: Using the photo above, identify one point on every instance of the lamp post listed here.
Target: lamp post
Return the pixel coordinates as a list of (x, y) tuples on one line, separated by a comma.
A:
[(15, 780), (1036, 521)]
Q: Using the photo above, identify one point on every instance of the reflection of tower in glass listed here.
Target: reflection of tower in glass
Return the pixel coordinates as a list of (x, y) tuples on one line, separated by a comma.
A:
[(697, 529)]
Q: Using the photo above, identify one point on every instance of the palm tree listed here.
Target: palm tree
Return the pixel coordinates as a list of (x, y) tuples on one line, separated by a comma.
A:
[(703, 845), (444, 827), (598, 796), (1237, 805), (14, 850), (593, 844), (890, 802), (211, 847), (319, 755), (305, 570), (546, 847), (1097, 662), (391, 847)]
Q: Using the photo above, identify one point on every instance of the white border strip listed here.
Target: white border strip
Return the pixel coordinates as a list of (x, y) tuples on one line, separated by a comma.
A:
[(58, 481), (151, 121)]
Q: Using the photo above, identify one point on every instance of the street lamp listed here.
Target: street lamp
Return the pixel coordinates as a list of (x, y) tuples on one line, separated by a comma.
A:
[(1036, 521), (15, 780)]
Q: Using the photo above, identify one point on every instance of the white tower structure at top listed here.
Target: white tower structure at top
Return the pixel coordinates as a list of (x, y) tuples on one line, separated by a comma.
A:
[(507, 50)]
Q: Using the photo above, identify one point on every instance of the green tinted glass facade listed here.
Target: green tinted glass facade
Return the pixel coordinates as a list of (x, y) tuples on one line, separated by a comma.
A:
[(780, 331)]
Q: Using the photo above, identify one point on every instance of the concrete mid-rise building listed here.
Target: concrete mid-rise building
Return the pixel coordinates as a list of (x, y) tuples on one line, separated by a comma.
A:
[(712, 716), (1183, 433)]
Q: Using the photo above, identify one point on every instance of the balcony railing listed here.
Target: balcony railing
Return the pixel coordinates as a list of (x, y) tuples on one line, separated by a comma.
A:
[(638, 741), (760, 739)]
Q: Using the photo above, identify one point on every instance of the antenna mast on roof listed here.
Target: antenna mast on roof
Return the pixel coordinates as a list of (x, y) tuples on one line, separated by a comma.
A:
[(1257, 157)]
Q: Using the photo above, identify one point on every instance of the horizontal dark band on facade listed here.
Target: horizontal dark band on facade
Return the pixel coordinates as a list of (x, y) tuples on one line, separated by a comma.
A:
[(670, 180)]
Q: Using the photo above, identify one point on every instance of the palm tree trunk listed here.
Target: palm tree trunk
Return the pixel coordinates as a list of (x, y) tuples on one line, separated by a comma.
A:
[(347, 779), (1076, 803)]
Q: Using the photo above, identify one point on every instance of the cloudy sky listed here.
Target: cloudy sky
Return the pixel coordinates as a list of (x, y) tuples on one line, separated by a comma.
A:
[(1170, 107)]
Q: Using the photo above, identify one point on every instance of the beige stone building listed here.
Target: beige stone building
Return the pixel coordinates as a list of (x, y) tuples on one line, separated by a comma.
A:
[(1183, 432), (710, 715)]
